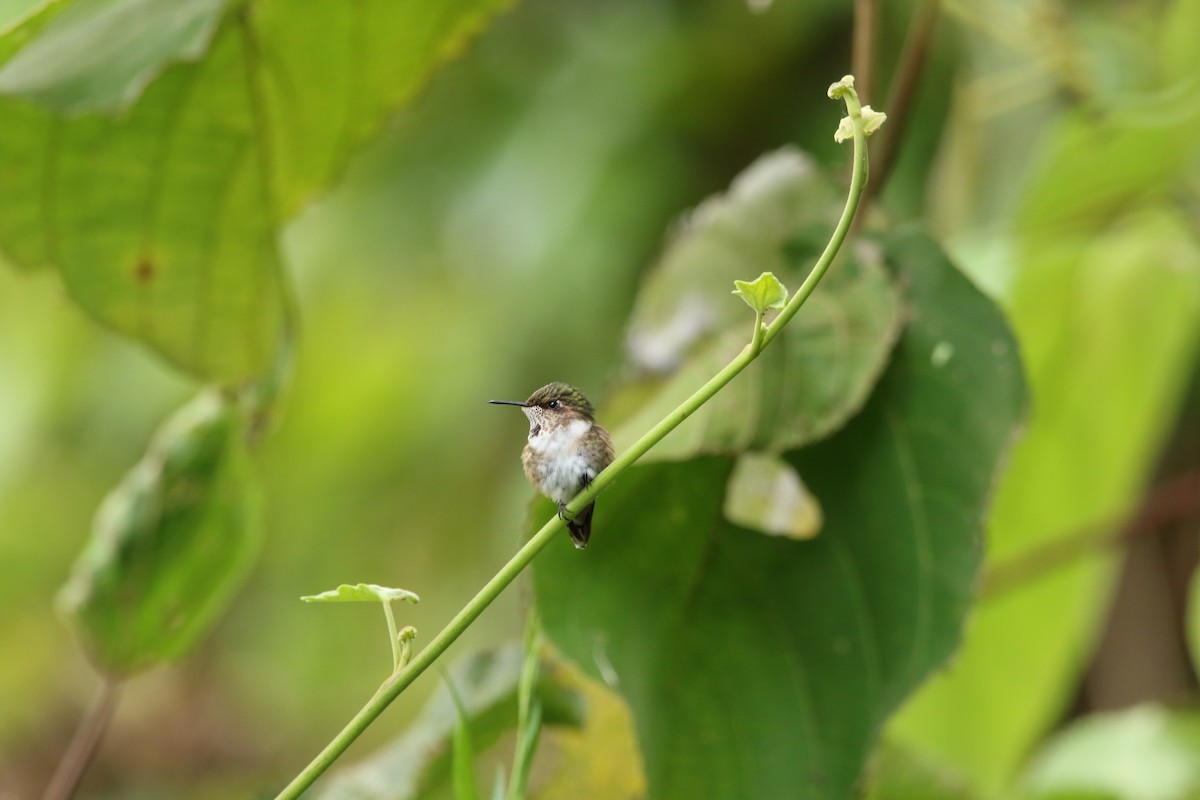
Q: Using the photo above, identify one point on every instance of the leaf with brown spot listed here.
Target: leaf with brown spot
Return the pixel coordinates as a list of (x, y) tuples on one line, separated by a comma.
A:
[(238, 123)]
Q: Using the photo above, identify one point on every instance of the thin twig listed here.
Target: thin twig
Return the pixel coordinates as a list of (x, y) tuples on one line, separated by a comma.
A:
[(1170, 501), (78, 755), (862, 55), (908, 75)]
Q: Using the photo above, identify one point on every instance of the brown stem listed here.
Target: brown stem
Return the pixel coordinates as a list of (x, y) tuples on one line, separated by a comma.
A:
[(863, 47), (908, 74), (1172, 500), (75, 760)]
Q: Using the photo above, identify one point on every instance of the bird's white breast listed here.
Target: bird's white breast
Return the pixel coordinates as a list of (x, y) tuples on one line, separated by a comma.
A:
[(562, 466)]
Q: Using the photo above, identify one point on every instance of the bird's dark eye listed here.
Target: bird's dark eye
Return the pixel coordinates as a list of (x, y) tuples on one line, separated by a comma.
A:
[(552, 404)]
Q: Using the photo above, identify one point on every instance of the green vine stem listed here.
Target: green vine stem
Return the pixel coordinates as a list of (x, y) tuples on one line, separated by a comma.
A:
[(756, 341), (393, 634), (398, 682)]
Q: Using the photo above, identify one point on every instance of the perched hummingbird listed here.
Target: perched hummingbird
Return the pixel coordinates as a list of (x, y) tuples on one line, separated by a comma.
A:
[(566, 449)]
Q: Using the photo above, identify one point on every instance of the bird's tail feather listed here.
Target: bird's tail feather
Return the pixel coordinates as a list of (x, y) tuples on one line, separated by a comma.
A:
[(580, 528)]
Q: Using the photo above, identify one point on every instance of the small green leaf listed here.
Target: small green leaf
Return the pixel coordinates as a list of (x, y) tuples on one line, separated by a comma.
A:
[(362, 593), (762, 293), (170, 544)]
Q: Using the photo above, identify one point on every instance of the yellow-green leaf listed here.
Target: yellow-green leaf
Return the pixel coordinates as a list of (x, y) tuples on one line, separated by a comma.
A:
[(170, 544), (362, 593), (762, 293), (164, 221)]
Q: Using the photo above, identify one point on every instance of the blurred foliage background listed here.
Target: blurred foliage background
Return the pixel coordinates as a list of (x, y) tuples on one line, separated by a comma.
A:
[(492, 239)]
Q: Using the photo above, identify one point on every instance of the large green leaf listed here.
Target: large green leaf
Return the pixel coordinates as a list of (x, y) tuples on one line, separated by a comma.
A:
[(763, 667), (418, 763), (164, 220), (1103, 288), (685, 327), (1102, 397), (1101, 277), (170, 545)]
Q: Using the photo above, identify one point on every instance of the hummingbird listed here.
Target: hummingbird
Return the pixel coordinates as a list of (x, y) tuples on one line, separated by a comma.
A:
[(565, 451)]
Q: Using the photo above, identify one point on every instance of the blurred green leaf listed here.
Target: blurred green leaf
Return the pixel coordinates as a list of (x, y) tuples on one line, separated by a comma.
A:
[(12, 14), (776, 216), (600, 759), (1180, 60), (170, 544), (1101, 277), (529, 709), (762, 293), (165, 221), (1109, 321), (463, 752), (362, 593), (1143, 753), (99, 54), (800, 649), (1144, 146), (418, 763), (528, 737), (900, 774)]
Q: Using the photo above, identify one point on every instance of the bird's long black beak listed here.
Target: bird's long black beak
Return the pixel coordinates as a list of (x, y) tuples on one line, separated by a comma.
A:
[(520, 403)]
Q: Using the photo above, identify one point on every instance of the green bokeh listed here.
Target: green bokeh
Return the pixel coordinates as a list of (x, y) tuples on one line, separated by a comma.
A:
[(490, 239)]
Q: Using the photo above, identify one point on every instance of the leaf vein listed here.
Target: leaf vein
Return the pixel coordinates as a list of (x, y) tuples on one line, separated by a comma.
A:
[(921, 541)]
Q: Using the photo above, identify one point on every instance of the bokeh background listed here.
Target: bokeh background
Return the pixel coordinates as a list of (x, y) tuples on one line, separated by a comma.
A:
[(492, 240)]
